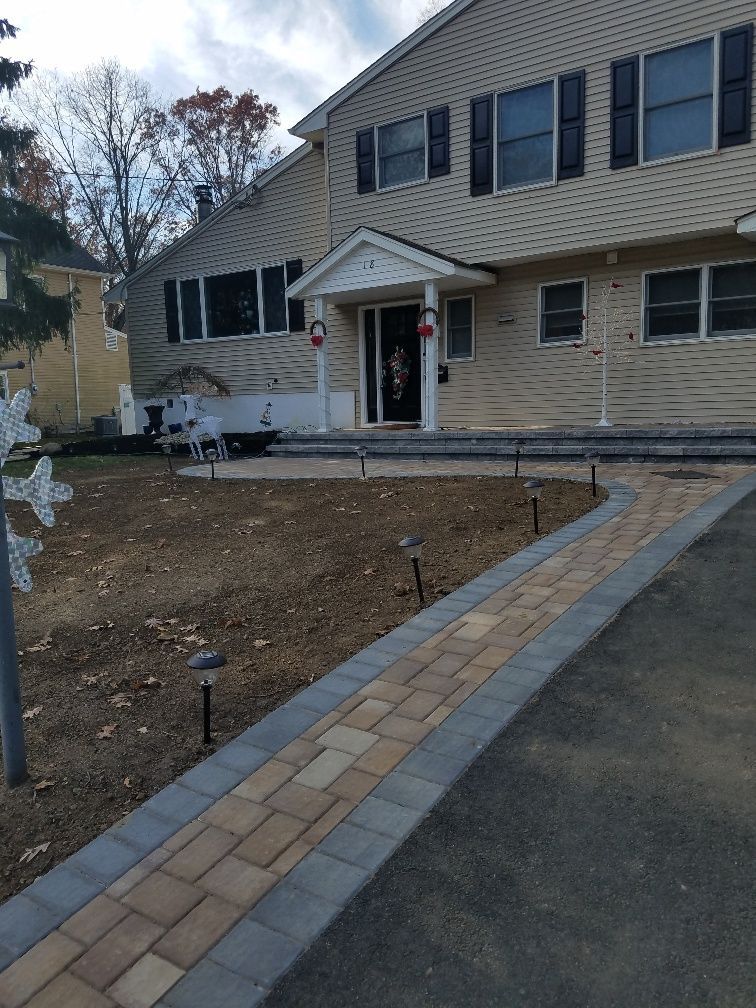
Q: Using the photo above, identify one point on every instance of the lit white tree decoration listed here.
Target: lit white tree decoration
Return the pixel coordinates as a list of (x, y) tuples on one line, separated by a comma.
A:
[(608, 340)]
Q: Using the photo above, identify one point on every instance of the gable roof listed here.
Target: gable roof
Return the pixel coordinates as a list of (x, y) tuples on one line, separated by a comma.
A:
[(75, 259), (117, 293), (317, 120)]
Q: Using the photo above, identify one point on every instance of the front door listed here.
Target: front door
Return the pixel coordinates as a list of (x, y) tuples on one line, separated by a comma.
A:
[(401, 364)]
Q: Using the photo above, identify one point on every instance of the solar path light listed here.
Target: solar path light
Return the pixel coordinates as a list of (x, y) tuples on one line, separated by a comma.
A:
[(412, 547), (533, 490), (167, 452), (205, 668), (592, 461), (519, 445), (212, 454), (361, 453)]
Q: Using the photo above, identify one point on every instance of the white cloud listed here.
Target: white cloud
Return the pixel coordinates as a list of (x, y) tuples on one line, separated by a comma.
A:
[(292, 52)]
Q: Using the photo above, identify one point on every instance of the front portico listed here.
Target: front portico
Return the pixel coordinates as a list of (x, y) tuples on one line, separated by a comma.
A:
[(378, 272)]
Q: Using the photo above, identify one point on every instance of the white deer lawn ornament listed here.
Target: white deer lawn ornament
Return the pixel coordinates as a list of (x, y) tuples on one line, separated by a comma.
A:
[(197, 426)]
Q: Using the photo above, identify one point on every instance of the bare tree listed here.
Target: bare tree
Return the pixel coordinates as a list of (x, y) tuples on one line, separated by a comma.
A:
[(108, 132), (430, 9)]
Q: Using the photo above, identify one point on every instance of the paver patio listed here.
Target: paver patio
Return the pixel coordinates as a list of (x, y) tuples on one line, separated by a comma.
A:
[(206, 894)]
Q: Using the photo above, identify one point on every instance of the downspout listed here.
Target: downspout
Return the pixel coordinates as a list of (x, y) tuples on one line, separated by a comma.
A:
[(75, 358)]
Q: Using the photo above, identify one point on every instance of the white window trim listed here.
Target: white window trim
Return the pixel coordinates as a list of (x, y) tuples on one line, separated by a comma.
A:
[(561, 283), (377, 169), (471, 357), (554, 133), (703, 320), (203, 306), (714, 39)]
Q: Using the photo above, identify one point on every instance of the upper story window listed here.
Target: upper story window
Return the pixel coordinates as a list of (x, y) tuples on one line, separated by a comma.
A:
[(460, 328), (561, 312), (402, 152), (698, 303), (678, 101), (227, 305), (525, 137)]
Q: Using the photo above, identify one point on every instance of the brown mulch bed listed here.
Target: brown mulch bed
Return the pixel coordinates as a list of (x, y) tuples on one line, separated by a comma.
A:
[(288, 579)]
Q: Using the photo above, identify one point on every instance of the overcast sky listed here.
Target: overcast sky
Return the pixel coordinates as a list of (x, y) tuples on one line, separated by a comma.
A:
[(291, 52)]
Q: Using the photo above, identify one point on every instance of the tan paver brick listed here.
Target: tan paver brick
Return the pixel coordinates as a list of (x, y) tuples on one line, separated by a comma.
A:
[(419, 705), (94, 920), (235, 815), (145, 983), (466, 689), (369, 713), (184, 835), (36, 968), (492, 657), (348, 740), (434, 683), (471, 632), (425, 655), (290, 857), (383, 756), (401, 671), (271, 839), (378, 689), (238, 881), (301, 802), (403, 728), (329, 821), (324, 769), (140, 871), (299, 753), (163, 898), (439, 714), (354, 785), (201, 854), (266, 780), (460, 647), (348, 705), (447, 665), (120, 948), (323, 725), (67, 991), (194, 935)]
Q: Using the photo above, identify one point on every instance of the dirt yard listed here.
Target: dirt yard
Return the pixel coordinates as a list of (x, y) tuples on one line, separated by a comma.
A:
[(287, 579)]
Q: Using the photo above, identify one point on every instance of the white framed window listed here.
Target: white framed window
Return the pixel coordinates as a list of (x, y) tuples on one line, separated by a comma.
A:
[(561, 312), (401, 152), (526, 137), (700, 303), (232, 305), (678, 101), (459, 317)]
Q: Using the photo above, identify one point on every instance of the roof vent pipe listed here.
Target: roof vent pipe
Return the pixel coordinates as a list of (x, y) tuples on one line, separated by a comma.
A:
[(203, 194)]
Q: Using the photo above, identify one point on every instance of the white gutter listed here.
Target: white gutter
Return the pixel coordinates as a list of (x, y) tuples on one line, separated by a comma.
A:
[(75, 357)]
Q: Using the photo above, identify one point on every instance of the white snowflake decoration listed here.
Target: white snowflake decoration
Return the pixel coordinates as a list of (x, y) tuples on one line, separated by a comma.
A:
[(39, 489)]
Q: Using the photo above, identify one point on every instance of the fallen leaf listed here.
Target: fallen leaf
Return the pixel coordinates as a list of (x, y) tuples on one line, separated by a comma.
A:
[(160, 543), (120, 700), (127, 781), (261, 643), (369, 572), (44, 784), (44, 644), (76, 553), (101, 626), (142, 731), (107, 730), (235, 622), (31, 852), (31, 712)]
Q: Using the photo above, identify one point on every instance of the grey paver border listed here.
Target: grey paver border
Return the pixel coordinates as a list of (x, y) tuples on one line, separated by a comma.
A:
[(409, 791)]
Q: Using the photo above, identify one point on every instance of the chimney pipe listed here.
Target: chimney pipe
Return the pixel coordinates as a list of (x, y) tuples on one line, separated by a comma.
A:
[(203, 194)]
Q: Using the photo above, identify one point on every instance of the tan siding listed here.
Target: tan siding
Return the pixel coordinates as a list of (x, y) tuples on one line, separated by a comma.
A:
[(512, 381), (286, 221), (101, 371), (500, 44)]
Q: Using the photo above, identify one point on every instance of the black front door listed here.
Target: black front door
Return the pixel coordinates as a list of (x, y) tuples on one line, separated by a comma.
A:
[(401, 362)]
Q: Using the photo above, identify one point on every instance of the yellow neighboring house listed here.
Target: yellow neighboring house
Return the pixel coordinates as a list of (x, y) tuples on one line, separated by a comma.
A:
[(80, 380)]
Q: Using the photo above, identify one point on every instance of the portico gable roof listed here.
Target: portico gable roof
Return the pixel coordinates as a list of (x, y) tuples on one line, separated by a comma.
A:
[(373, 264)]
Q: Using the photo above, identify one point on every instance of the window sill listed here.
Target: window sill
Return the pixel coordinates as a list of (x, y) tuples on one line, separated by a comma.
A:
[(230, 339), (459, 360), (402, 185), (697, 341), (560, 343), (679, 157), (526, 188)]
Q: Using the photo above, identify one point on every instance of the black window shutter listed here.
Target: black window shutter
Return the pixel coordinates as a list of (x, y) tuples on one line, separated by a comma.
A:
[(366, 160), (624, 112), (736, 83), (481, 145), (171, 311), (438, 142), (296, 307), (571, 153)]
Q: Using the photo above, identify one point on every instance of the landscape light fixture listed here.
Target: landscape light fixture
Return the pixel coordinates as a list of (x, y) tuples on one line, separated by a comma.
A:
[(519, 445), (533, 490), (361, 453), (412, 547), (167, 452), (212, 454), (592, 461), (205, 668)]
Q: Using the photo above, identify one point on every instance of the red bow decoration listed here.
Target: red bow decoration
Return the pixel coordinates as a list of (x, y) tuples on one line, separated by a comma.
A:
[(631, 336), (317, 339), (425, 330), (597, 353), (615, 285)]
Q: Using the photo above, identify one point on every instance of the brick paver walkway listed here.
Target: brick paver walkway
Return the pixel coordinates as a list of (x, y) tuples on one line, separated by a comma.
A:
[(221, 905)]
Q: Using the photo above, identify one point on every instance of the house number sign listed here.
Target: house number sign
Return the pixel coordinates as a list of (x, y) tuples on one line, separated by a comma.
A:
[(369, 264)]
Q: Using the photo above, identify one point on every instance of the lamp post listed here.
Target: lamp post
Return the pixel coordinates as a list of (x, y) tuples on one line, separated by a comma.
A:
[(205, 667), (167, 452), (533, 490), (361, 453), (592, 460), (519, 445), (412, 547), (212, 454)]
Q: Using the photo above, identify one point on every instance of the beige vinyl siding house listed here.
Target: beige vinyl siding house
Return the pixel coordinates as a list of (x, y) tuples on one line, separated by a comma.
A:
[(501, 166), (80, 378)]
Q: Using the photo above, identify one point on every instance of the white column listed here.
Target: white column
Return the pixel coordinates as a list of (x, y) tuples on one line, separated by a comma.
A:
[(324, 375), (431, 362)]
